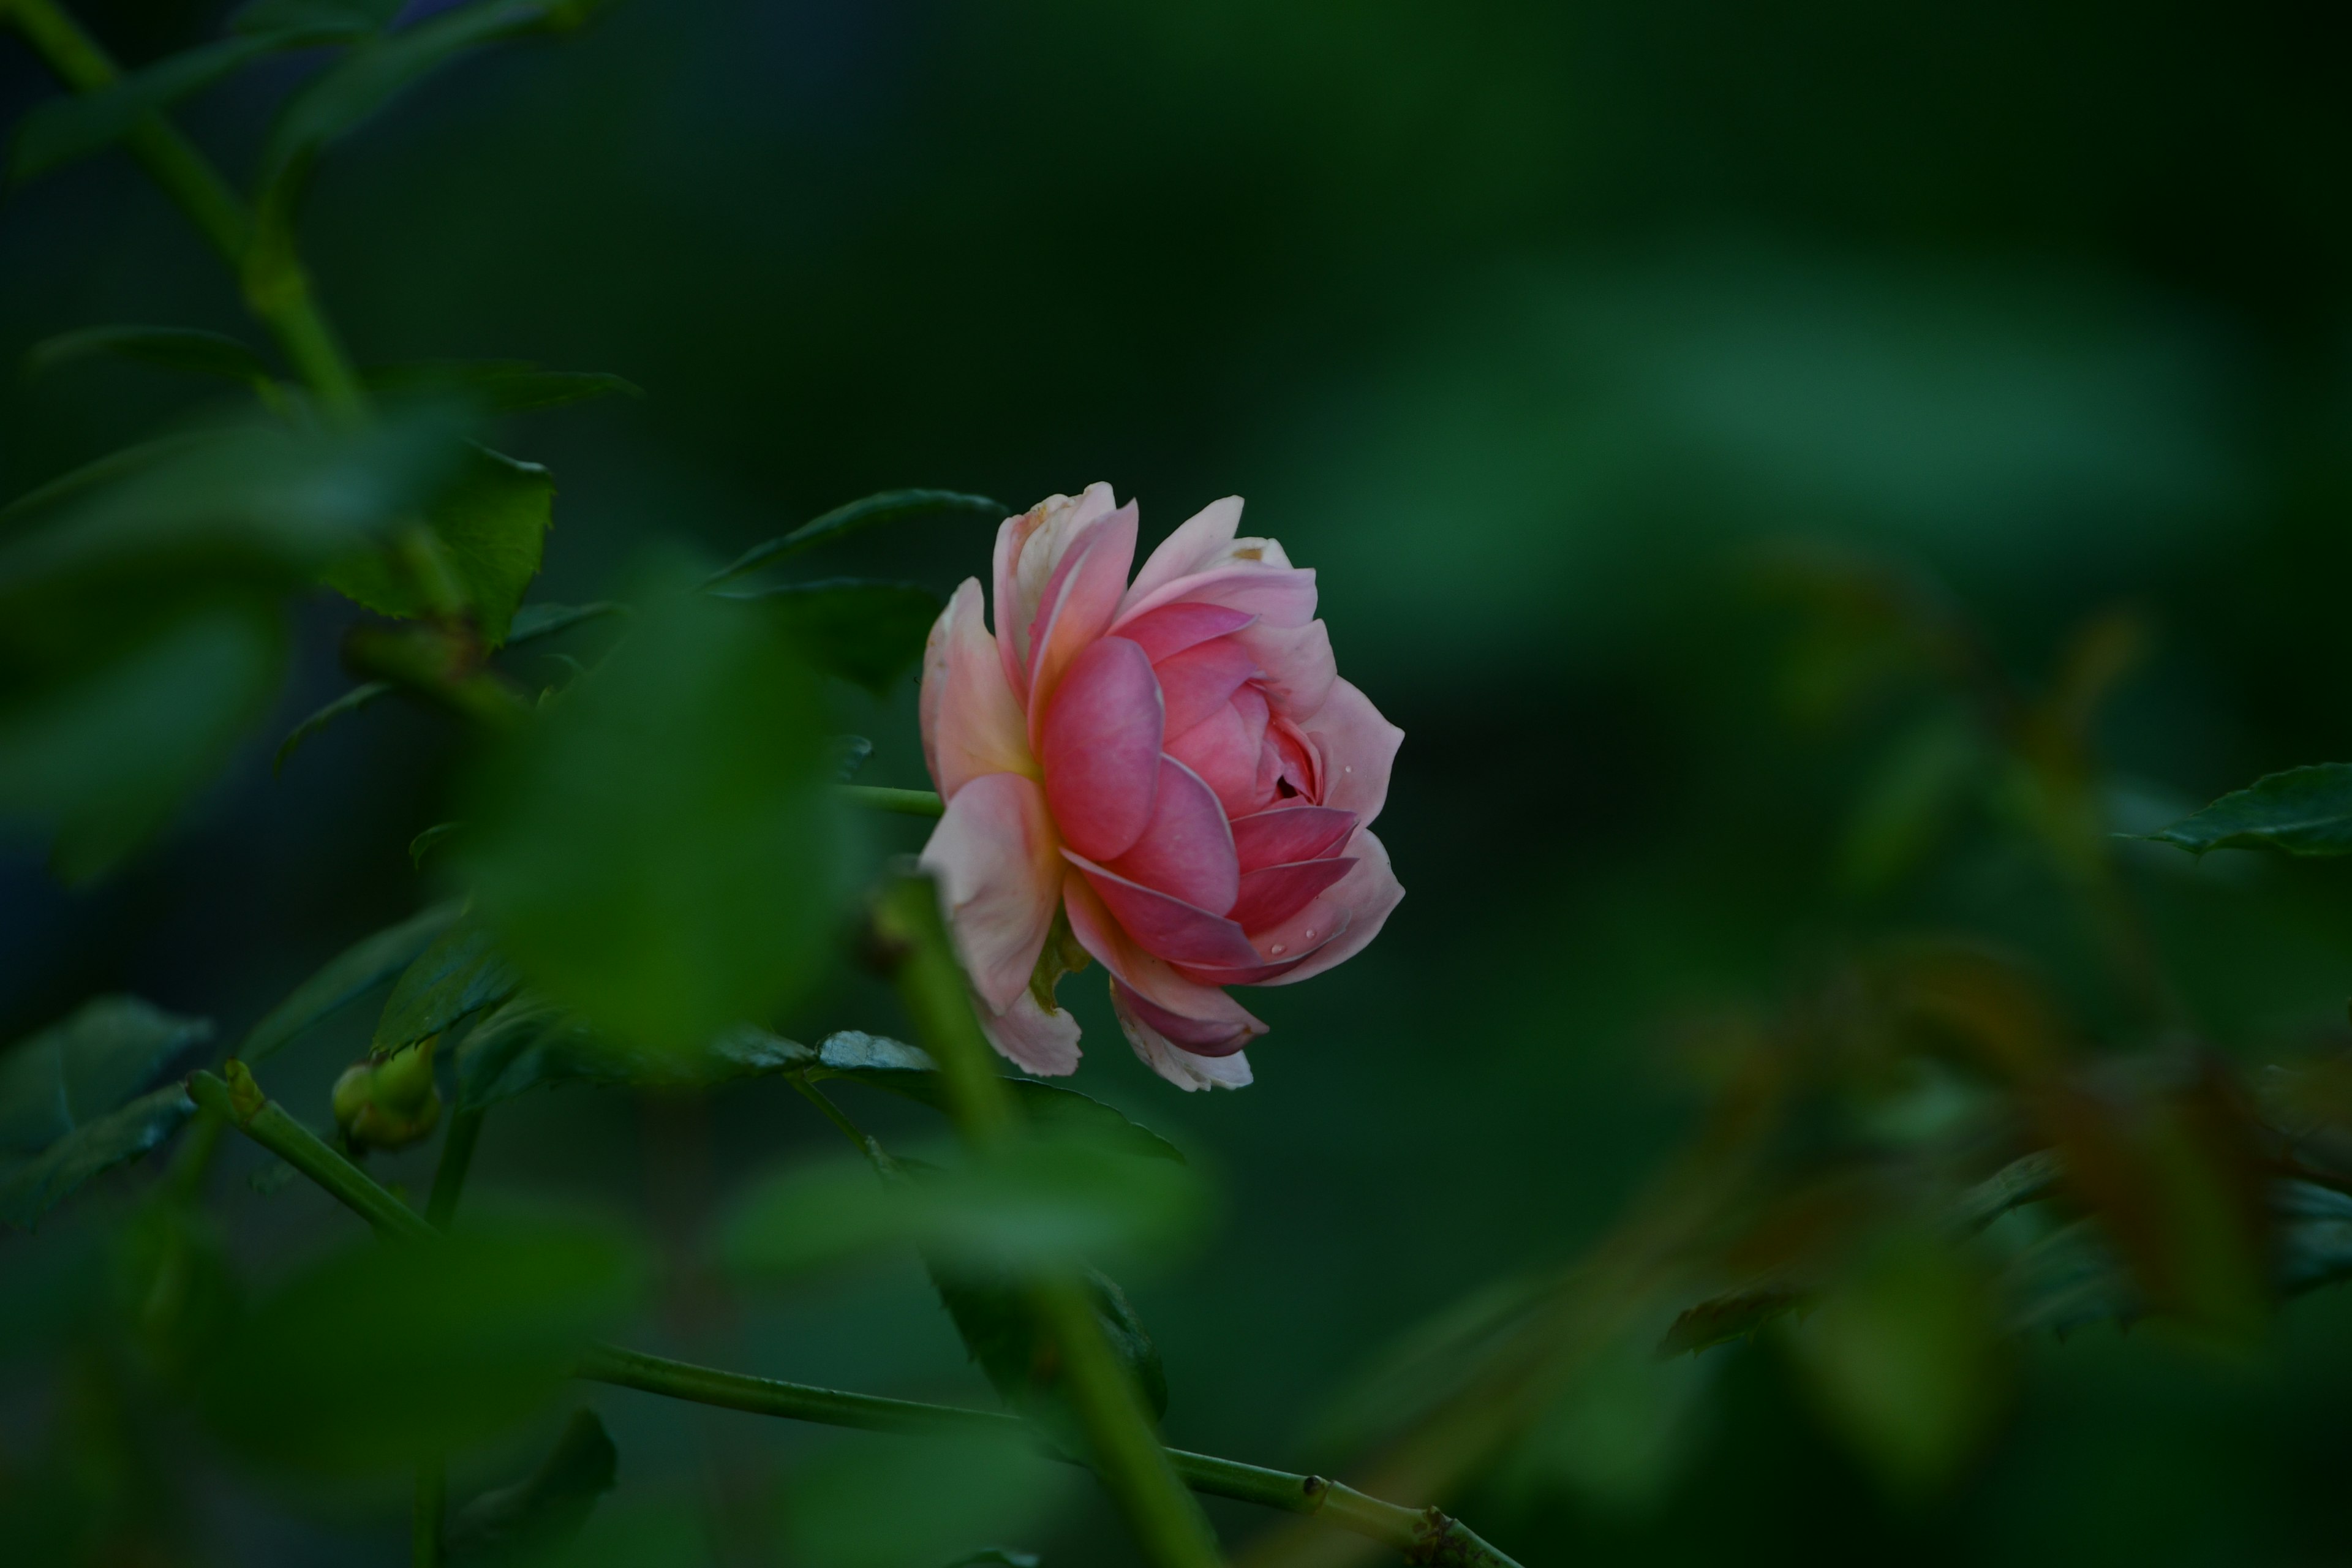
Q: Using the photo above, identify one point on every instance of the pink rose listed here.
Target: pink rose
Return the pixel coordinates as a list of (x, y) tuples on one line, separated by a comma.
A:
[(1174, 762)]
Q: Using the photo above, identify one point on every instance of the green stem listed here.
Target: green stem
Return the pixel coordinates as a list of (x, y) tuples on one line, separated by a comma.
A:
[(449, 1175), (430, 1501), (1424, 1535), (1166, 1519), (277, 289), (904, 802), (238, 1101), (429, 1512)]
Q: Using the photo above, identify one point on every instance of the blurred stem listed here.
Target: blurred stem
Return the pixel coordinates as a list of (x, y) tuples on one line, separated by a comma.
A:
[(449, 1175), (277, 290), (431, 1500), (1165, 1518), (1424, 1535), (904, 802)]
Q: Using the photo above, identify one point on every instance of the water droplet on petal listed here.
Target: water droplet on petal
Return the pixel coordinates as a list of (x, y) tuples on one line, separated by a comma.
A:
[(1275, 947)]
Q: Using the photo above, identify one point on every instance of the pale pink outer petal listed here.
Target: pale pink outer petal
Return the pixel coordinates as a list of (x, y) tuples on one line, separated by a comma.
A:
[(1359, 748), (999, 866), (971, 721), (1026, 1035), (1364, 898), (1173, 1062), (1079, 602), (1100, 935), (1280, 595), (1298, 668), (1028, 550), (1199, 543)]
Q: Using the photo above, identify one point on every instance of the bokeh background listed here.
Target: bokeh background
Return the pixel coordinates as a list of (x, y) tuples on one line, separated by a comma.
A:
[(1529, 326)]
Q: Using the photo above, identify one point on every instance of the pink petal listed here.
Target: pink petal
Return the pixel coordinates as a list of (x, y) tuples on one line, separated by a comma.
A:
[(1295, 666), (1223, 750), (1078, 603), (1272, 894), (1165, 927), (1289, 833), (1186, 850), (1029, 548), (1266, 971), (1100, 745), (1173, 629), (1200, 681), (1197, 1037), (1180, 1066), (1358, 747), (1153, 978), (1044, 1043), (998, 868), (972, 720), (1197, 543), (1280, 595), (1356, 906)]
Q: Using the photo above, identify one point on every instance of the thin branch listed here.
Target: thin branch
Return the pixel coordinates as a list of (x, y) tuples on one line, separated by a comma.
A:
[(237, 1100), (903, 802)]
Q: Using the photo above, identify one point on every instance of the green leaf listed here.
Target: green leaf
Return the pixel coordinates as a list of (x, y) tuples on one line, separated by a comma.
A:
[(2027, 1179), (350, 975), (66, 129), (102, 761), (351, 702), (381, 1355), (912, 1502), (188, 349), (1909, 803), (869, 633), (532, 622), (661, 848), (890, 506), (1728, 1318), (1054, 1111), (2303, 811), (492, 522), (546, 1508), (430, 839), (1000, 1330), (1036, 1202), (83, 1095), (351, 91), (352, 18), (499, 386), (2314, 1235), (461, 974), (997, 1557)]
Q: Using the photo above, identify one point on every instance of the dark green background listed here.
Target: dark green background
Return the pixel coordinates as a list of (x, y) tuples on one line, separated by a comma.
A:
[(1519, 323)]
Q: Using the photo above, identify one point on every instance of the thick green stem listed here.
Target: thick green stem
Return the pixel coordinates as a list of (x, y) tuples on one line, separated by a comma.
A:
[(904, 802), (277, 290), (1166, 1519), (239, 1101)]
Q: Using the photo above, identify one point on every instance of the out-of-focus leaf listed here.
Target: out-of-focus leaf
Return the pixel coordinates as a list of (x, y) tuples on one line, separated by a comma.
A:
[(532, 622), (111, 1050), (346, 94), (87, 1094), (351, 17), (381, 1355), (499, 386), (103, 762), (367, 963), (351, 702), (997, 1557), (66, 129), (30, 1188), (2303, 811), (1905, 1361), (886, 506), (1909, 803), (492, 521), (850, 753), (999, 1328), (187, 349), (661, 849), (869, 633), (1620, 1435), (2068, 1279), (547, 1508), (461, 974), (1053, 1110), (1037, 1201), (1428, 1365), (1728, 1318), (2024, 1180), (430, 839), (2314, 1235), (847, 1507)]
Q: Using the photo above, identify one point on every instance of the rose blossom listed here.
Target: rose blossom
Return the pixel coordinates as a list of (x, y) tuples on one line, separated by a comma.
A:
[(1174, 763)]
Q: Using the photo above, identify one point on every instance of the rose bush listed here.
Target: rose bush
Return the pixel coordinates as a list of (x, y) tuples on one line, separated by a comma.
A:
[(1168, 773)]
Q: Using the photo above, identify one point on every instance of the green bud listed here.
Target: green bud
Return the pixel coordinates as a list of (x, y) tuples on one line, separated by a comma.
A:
[(404, 1081), (351, 1093), (388, 1104)]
